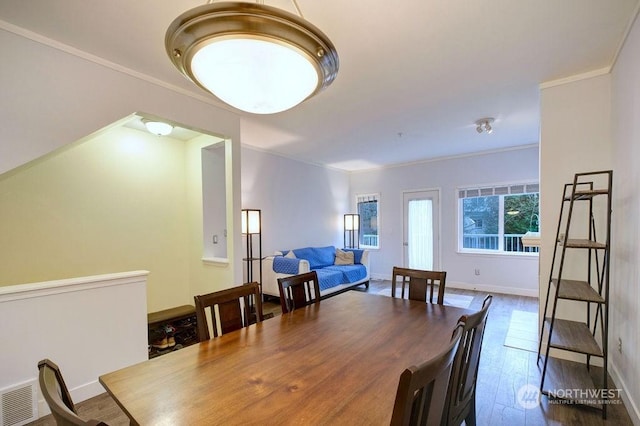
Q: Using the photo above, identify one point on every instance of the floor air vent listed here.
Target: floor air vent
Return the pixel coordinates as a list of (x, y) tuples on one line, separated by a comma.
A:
[(18, 404)]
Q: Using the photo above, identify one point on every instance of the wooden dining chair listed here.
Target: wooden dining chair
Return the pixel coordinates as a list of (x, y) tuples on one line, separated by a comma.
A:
[(420, 397), (231, 313), (297, 291), (461, 394), (253, 308), (58, 398), (419, 281)]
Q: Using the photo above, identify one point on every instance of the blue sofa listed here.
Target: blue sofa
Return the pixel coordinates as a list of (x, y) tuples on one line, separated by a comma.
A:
[(334, 273)]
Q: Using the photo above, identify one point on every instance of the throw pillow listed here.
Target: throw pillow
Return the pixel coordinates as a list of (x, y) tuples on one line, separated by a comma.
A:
[(291, 255), (344, 257)]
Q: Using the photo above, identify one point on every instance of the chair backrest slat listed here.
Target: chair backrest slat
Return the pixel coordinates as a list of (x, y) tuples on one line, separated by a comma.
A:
[(230, 314), (420, 398), (419, 282), (298, 291), (461, 392), (55, 393)]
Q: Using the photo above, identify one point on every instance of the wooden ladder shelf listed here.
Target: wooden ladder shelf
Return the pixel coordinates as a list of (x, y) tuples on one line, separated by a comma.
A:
[(582, 251)]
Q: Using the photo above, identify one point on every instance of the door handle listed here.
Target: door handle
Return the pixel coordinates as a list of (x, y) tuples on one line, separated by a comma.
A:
[(405, 244)]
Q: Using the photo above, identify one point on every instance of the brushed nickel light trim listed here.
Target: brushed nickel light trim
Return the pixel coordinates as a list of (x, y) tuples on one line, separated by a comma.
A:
[(211, 26)]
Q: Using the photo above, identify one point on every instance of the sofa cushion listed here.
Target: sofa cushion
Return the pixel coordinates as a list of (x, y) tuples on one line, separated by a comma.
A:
[(350, 273), (285, 265), (290, 255), (328, 278), (344, 257), (357, 254), (318, 257)]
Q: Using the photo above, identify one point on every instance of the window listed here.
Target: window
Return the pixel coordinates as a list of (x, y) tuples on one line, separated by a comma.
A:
[(494, 219), (368, 211)]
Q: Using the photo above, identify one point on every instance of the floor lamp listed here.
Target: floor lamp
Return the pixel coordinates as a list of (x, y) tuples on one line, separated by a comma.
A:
[(351, 230), (252, 227)]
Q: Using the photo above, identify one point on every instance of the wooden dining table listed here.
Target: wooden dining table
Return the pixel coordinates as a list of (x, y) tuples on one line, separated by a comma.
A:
[(334, 362)]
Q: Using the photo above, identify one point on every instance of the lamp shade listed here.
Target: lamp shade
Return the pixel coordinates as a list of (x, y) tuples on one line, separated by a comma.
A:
[(351, 230), (351, 222), (250, 221), (256, 58)]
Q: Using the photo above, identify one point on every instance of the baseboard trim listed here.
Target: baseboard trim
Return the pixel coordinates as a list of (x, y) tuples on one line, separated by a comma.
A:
[(379, 277), (481, 288), (630, 404)]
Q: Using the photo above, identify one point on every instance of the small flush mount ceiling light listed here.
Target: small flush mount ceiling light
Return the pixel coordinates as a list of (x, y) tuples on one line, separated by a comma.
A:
[(256, 58), (484, 125), (158, 127)]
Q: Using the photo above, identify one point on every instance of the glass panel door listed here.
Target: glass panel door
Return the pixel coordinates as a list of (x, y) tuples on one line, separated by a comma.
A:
[(421, 248)]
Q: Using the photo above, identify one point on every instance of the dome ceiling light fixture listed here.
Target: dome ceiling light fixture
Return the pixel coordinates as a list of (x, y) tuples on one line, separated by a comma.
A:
[(158, 128), (484, 125), (256, 58)]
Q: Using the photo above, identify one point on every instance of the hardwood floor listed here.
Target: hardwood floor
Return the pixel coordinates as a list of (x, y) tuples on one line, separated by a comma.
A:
[(503, 371)]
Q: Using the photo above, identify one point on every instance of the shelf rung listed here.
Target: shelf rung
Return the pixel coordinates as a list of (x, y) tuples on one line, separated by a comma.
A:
[(577, 290), (583, 243), (573, 336), (587, 194)]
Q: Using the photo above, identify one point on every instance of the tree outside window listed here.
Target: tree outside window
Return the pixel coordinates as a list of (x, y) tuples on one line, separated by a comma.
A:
[(368, 211), (497, 222), (521, 213)]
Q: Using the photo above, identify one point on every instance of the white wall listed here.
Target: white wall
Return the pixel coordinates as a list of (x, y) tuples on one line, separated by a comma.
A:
[(625, 252), (89, 326), (302, 204), (113, 203), (575, 137), (52, 98), (498, 273), (588, 125)]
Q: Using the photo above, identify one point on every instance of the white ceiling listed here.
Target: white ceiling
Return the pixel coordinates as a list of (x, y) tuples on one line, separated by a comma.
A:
[(414, 74)]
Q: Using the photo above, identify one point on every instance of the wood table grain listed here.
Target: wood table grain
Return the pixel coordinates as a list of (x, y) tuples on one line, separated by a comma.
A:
[(335, 362)]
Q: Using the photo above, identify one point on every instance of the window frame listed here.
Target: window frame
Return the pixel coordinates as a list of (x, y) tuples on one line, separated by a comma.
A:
[(502, 191), (372, 196)]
